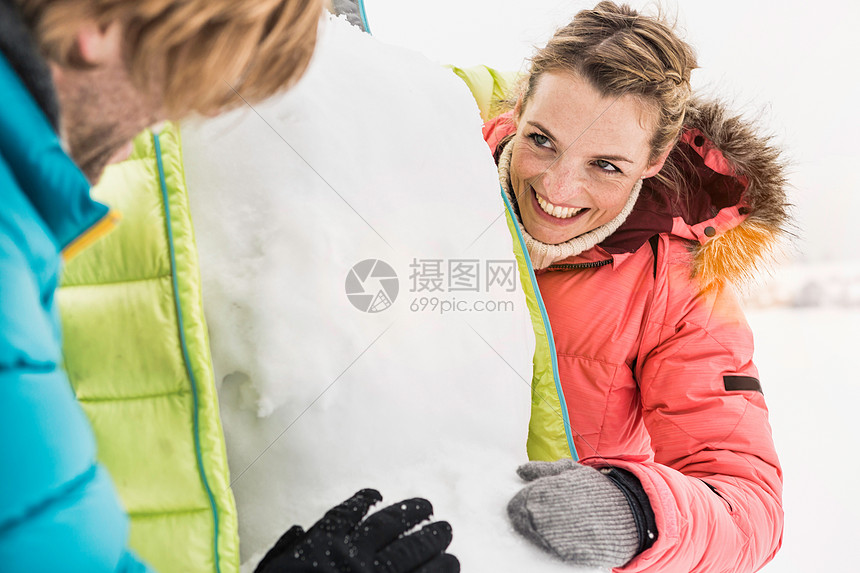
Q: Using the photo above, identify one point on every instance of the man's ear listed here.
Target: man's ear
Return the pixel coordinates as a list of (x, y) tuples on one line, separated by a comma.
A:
[(655, 167), (98, 45)]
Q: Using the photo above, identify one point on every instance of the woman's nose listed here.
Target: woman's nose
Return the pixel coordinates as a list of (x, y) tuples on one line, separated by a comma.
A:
[(561, 184)]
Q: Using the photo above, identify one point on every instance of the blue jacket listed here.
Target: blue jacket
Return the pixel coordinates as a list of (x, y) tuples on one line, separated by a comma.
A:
[(58, 507)]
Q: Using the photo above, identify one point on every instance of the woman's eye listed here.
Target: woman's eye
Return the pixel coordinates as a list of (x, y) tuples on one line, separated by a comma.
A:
[(606, 166), (540, 140)]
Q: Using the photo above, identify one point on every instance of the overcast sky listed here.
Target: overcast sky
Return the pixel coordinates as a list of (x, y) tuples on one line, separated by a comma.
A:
[(795, 61)]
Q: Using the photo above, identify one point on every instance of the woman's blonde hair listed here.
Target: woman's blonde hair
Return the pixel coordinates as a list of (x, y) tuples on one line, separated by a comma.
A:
[(621, 52), (199, 53)]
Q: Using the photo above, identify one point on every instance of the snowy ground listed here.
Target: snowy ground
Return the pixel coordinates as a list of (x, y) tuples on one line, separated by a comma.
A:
[(377, 154), (808, 285), (810, 379)]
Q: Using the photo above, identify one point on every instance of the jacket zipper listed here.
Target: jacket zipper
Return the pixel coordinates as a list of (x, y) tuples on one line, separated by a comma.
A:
[(591, 265)]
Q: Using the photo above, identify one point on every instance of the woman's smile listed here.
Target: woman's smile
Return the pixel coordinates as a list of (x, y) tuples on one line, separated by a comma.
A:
[(559, 213)]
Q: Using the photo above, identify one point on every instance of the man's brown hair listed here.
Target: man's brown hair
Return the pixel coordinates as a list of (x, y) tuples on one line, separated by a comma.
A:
[(199, 53)]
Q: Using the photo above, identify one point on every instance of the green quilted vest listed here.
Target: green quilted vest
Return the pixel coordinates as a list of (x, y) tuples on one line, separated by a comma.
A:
[(137, 353), (488, 86)]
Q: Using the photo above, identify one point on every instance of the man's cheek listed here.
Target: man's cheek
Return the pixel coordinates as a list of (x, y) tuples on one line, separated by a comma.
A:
[(122, 153)]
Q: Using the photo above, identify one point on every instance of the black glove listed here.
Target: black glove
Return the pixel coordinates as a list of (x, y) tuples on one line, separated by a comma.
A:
[(342, 542)]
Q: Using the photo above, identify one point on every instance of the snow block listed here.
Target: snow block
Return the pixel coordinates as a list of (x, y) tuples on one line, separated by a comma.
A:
[(333, 375)]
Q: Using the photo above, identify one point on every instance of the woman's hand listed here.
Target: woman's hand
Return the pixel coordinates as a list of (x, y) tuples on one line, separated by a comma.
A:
[(576, 513)]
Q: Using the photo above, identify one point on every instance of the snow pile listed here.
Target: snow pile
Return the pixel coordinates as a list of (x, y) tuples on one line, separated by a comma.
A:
[(375, 156)]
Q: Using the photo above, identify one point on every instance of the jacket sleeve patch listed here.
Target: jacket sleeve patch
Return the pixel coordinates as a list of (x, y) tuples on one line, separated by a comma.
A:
[(736, 383)]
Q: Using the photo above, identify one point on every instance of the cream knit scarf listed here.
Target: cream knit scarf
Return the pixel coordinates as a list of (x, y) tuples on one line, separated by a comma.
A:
[(542, 254)]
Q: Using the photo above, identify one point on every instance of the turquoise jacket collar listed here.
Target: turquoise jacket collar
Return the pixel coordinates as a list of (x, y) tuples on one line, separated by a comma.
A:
[(48, 177)]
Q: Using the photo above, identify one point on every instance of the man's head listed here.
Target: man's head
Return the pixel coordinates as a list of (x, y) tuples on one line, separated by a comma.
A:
[(121, 66)]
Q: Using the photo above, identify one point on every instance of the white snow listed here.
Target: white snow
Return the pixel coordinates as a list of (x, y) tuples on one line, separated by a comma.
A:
[(812, 284), (319, 399), (807, 363), (377, 154)]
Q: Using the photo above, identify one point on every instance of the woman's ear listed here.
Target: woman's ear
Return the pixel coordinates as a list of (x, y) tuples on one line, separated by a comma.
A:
[(657, 165), (518, 109), (99, 45)]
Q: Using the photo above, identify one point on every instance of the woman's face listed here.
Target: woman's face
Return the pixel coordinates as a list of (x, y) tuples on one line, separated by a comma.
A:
[(576, 157)]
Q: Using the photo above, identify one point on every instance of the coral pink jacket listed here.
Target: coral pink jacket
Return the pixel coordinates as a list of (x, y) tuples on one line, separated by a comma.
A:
[(655, 355)]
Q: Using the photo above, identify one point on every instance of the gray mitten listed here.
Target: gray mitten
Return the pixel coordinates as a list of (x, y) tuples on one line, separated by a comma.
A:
[(576, 513)]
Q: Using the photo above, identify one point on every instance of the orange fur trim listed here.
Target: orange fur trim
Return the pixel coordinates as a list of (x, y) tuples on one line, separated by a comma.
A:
[(737, 255)]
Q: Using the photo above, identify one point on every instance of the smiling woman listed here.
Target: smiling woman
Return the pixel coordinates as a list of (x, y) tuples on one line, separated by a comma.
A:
[(639, 206), (577, 157), (597, 114)]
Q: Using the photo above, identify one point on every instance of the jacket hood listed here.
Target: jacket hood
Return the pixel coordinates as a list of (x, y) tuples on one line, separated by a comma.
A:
[(736, 207), (726, 194)]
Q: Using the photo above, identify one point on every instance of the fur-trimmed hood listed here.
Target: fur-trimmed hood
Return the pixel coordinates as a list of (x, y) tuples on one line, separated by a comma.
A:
[(727, 194), (734, 194)]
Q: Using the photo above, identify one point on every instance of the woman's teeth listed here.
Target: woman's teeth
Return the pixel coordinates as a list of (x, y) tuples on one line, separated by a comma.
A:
[(555, 210)]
